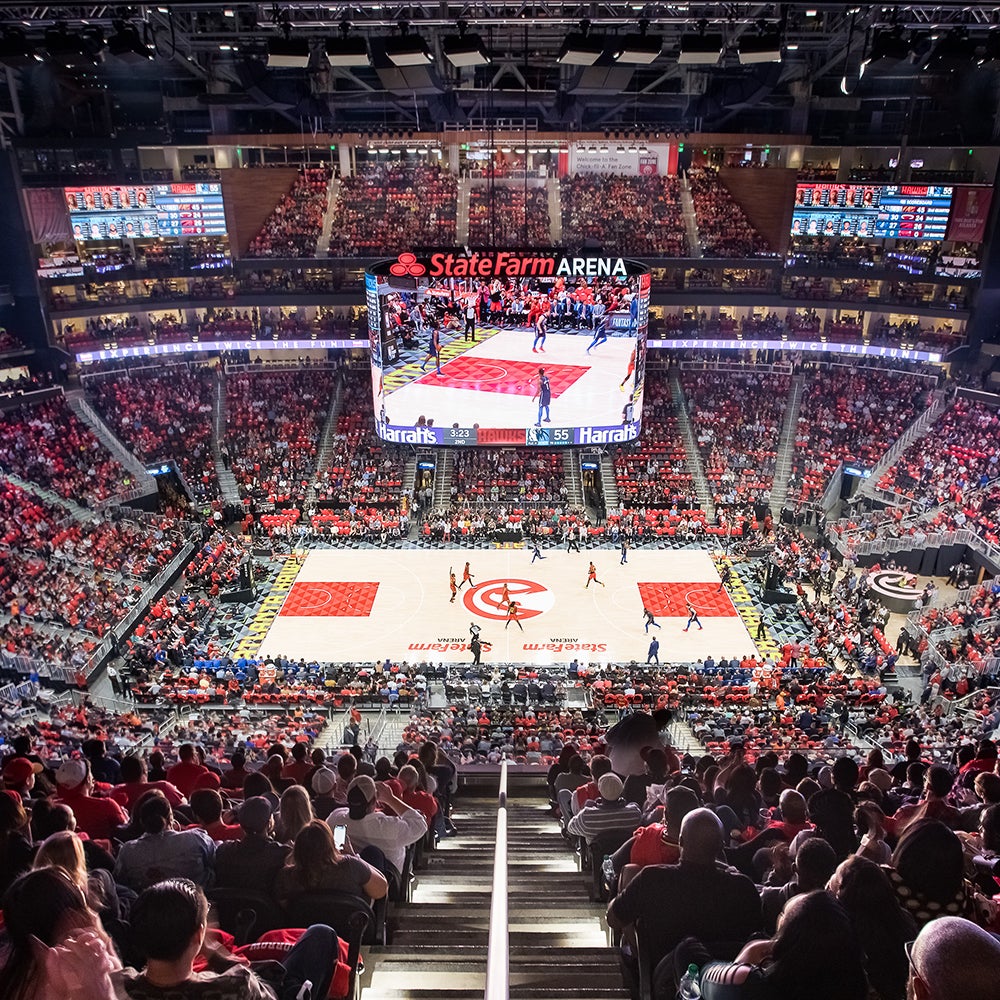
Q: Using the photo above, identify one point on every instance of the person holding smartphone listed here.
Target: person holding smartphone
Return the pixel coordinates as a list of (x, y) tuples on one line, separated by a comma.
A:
[(324, 859)]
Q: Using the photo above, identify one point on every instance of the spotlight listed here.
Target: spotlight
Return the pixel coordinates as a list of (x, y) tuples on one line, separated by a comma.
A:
[(762, 48), (76, 51), (580, 48), (347, 51), (15, 49), (127, 45), (406, 49), (466, 50), (287, 53), (700, 50), (640, 49)]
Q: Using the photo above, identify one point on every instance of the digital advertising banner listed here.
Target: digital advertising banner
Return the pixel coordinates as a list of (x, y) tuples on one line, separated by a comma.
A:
[(507, 348)]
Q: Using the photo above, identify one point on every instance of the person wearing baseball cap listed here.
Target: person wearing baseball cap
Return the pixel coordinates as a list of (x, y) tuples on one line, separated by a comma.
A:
[(254, 861), (609, 814), (99, 818), (380, 837), (19, 776)]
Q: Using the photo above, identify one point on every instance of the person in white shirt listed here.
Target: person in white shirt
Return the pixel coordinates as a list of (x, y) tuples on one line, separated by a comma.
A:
[(391, 831)]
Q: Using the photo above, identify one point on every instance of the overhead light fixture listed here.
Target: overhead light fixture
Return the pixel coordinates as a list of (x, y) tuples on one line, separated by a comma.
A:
[(639, 49), (464, 49), (348, 51), (288, 53), (762, 48), (406, 49), (15, 49), (888, 48), (700, 49), (127, 45), (74, 51), (581, 48)]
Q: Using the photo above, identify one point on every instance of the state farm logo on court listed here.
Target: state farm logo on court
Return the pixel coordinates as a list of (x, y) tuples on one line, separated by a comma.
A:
[(486, 599)]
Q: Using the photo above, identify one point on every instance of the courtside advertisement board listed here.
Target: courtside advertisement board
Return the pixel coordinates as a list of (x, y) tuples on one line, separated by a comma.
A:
[(507, 348)]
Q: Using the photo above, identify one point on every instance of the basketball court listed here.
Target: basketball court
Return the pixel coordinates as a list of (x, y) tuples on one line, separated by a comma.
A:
[(368, 605), (492, 382)]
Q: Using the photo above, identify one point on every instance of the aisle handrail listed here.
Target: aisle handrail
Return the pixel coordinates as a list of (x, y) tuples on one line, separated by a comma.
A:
[(497, 956)]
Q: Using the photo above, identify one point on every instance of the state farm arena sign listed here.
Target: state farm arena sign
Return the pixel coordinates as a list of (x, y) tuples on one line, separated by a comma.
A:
[(444, 264)]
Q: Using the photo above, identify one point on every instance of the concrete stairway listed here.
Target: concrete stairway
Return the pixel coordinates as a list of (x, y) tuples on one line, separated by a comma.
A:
[(227, 481), (333, 193), (918, 430), (325, 448), (462, 219), (683, 740), (786, 445), (691, 447), (609, 482), (690, 222), (79, 405), (442, 478), (574, 478), (555, 210)]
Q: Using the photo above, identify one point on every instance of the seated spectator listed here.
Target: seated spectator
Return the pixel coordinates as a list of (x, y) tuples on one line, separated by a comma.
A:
[(169, 921), (55, 947), (161, 851), (316, 864), (815, 953), (813, 864), (184, 775), (206, 807), (295, 813), (254, 861), (610, 813), (15, 840), (381, 837), (883, 927), (99, 818), (953, 958), (698, 897), (415, 797), (927, 872), (135, 783)]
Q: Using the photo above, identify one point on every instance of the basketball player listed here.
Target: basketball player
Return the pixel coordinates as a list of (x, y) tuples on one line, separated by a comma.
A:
[(512, 616), (727, 575), (592, 576), (600, 334), (692, 617), (541, 329), (650, 620), (452, 584), (543, 393), (504, 595), (536, 552), (433, 350), (466, 578), (628, 374)]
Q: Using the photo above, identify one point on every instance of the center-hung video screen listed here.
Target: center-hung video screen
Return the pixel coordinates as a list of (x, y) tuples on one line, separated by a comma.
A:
[(508, 348)]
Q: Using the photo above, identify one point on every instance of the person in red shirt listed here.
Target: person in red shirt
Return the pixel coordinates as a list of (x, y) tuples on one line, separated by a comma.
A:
[(414, 797), (99, 818), (134, 783), (300, 767), (599, 766), (185, 774), (206, 806)]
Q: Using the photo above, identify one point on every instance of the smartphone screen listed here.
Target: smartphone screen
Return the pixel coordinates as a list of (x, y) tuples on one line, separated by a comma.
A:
[(339, 836)]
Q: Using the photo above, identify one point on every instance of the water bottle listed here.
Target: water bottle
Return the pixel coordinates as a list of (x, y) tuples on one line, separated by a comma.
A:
[(689, 988), (609, 871)]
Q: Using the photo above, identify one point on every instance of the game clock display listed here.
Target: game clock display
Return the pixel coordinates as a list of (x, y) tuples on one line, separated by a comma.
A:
[(872, 211), (507, 349), (146, 211)]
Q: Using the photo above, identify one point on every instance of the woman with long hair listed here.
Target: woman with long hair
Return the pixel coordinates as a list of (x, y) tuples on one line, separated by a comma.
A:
[(815, 955), (295, 812), (15, 840), (317, 864), (864, 891), (55, 944)]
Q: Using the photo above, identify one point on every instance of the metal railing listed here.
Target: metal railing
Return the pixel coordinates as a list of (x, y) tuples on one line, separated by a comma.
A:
[(498, 952)]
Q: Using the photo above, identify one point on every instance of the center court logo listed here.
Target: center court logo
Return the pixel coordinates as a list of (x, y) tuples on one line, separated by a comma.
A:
[(485, 599)]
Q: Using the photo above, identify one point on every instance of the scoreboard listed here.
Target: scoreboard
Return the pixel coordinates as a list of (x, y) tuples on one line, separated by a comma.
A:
[(872, 211), (146, 211)]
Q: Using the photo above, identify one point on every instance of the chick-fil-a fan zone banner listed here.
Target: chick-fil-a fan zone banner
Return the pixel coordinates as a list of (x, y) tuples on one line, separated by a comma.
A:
[(970, 211)]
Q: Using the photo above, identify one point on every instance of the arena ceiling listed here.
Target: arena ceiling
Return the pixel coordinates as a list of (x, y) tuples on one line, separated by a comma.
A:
[(836, 71)]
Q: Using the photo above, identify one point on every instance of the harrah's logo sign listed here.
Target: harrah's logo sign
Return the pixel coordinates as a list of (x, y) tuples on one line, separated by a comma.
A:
[(507, 265)]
